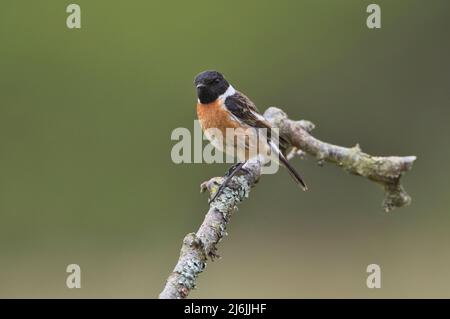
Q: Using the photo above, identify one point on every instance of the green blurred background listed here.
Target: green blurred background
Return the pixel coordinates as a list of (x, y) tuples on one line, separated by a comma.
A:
[(86, 175)]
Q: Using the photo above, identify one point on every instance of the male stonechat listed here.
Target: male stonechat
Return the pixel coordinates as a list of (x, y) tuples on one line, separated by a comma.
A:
[(220, 107)]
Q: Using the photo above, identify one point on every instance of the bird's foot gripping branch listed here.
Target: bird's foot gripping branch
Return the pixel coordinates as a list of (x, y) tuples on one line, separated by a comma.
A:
[(198, 247)]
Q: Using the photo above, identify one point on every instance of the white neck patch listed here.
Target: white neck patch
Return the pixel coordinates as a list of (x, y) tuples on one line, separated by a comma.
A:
[(229, 92)]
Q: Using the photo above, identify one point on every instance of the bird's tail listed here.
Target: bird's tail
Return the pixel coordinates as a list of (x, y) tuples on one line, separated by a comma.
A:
[(295, 175)]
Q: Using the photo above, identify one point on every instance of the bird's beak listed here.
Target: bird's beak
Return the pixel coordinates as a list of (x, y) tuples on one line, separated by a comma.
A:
[(200, 86)]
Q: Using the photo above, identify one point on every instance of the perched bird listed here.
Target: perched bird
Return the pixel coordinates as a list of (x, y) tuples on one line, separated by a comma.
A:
[(221, 107)]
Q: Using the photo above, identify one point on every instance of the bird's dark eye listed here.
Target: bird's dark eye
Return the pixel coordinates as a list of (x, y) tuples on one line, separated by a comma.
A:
[(217, 80)]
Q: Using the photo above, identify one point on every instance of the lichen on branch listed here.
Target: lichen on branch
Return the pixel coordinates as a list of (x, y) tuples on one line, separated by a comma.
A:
[(385, 171), (198, 247)]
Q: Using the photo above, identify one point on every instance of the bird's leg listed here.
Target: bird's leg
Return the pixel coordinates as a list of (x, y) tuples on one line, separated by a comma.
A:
[(232, 171)]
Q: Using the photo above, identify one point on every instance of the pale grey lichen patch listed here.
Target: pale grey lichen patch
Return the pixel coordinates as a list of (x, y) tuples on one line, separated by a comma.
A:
[(232, 195), (306, 125), (189, 271), (295, 152), (191, 263), (275, 116)]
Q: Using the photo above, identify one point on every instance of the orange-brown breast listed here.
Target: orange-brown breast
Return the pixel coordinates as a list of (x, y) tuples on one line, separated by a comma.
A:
[(214, 115), (239, 143)]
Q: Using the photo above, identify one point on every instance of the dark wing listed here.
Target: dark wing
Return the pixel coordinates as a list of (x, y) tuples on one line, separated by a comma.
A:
[(244, 110)]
